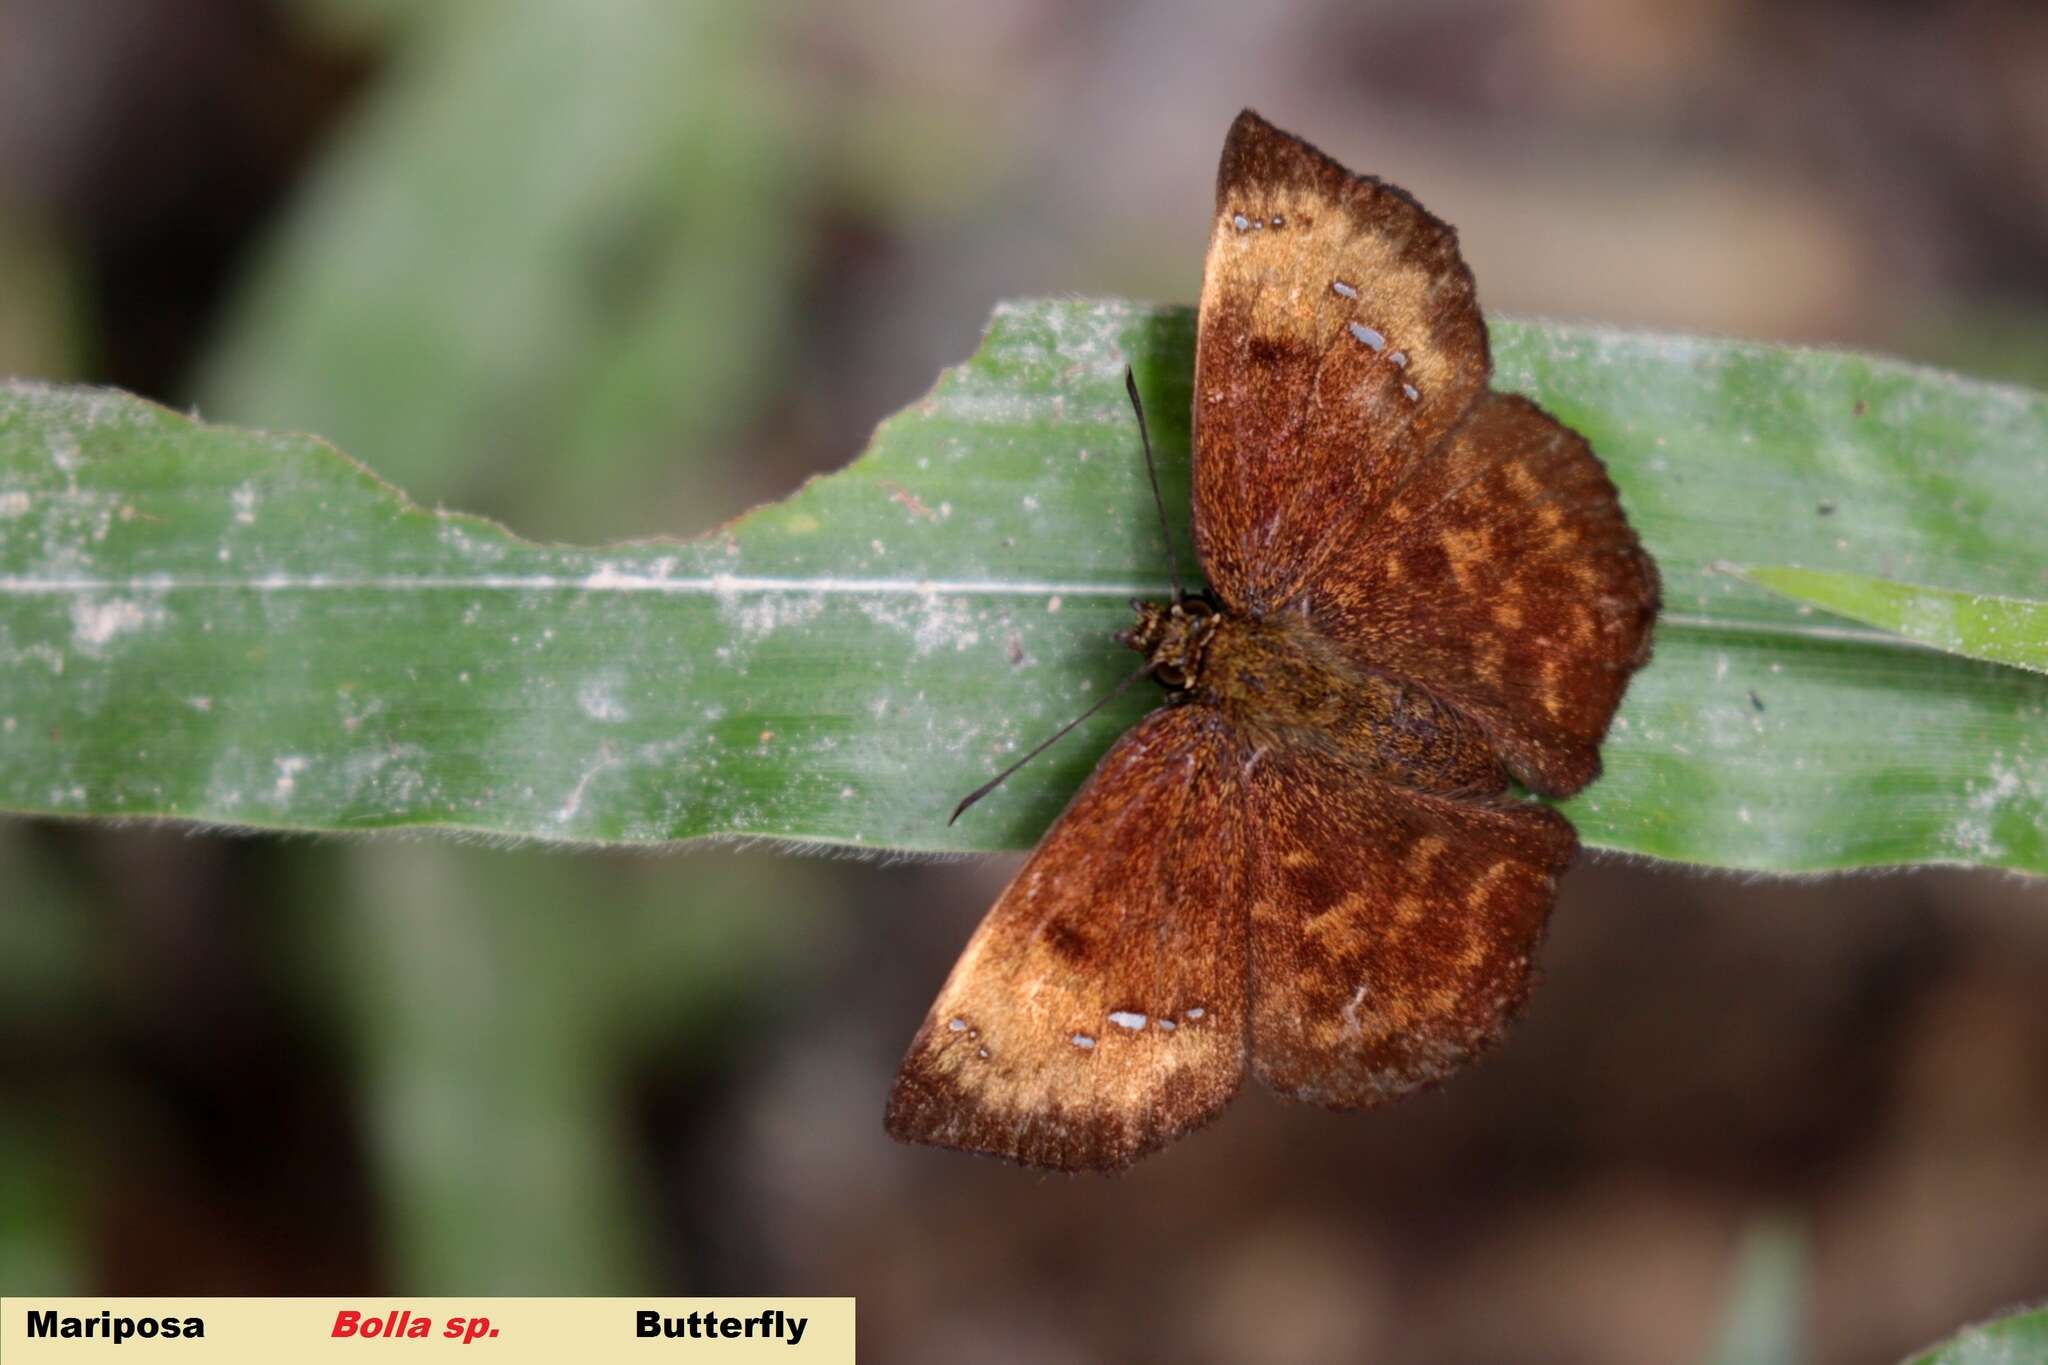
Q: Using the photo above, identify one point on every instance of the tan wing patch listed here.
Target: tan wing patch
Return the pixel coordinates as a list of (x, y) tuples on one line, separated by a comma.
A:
[(1391, 931), (1098, 1011), (1339, 340)]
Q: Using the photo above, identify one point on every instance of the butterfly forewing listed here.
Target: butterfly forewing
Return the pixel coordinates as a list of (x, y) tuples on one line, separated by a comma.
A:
[(1504, 576), (1338, 341), (1391, 930), (1099, 1009)]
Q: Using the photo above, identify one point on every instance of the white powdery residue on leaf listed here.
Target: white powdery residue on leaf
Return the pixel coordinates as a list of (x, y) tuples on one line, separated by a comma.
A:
[(934, 620), (390, 772), (1734, 726), (996, 409), (599, 697), (15, 502), (1089, 337), (288, 769), (1623, 352), (355, 710), (1972, 832), (49, 656), (244, 499), (573, 802), (754, 612), (64, 454), (95, 624), (1932, 620)]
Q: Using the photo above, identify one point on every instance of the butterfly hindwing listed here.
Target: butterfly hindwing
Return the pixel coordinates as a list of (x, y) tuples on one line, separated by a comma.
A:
[(1339, 340), (1504, 576), (1099, 1009), (1391, 931)]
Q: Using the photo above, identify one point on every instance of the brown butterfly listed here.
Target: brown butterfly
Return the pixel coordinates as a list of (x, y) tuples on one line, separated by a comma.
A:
[(1308, 859)]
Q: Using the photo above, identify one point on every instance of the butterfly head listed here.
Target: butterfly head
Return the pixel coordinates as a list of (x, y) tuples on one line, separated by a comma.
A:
[(1174, 638)]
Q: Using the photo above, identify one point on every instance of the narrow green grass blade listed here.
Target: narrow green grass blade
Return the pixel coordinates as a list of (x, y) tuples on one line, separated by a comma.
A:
[(2001, 630), (547, 265), (1762, 1322), (230, 627), (2013, 1340)]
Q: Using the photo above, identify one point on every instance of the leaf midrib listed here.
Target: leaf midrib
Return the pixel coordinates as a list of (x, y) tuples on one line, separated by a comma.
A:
[(726, 585)]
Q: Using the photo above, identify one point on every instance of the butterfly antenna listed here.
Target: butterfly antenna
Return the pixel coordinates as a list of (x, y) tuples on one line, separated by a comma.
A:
[(1152, 472), (985, 788)]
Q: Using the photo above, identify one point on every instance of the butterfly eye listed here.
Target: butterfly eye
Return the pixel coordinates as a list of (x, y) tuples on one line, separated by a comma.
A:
[(1171, 676), (1195, 608)]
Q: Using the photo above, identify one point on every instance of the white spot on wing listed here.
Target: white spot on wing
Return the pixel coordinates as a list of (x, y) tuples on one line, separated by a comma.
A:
[(1343, 289), (1082, 1041), (1366, 335), (1129, 1019), (1350, 1011)]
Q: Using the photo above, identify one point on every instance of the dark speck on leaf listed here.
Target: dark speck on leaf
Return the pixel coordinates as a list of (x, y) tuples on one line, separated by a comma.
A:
[(1826, 509), (1755, 700)]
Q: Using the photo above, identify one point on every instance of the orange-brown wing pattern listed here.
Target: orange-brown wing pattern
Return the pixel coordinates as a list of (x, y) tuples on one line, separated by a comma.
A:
[(1503, 577), (1098, 1012), (1339, 341), (1391, 930)]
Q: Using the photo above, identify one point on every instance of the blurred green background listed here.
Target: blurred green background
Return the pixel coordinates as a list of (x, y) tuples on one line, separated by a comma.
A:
[(628, 267)]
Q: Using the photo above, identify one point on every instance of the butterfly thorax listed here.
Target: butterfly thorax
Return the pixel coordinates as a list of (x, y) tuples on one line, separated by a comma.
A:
[(1279, 680)]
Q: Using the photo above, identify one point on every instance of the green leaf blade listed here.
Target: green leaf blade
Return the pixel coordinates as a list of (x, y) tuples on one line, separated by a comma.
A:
[(2010, 1340), (840, 667), (2003, 630)]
